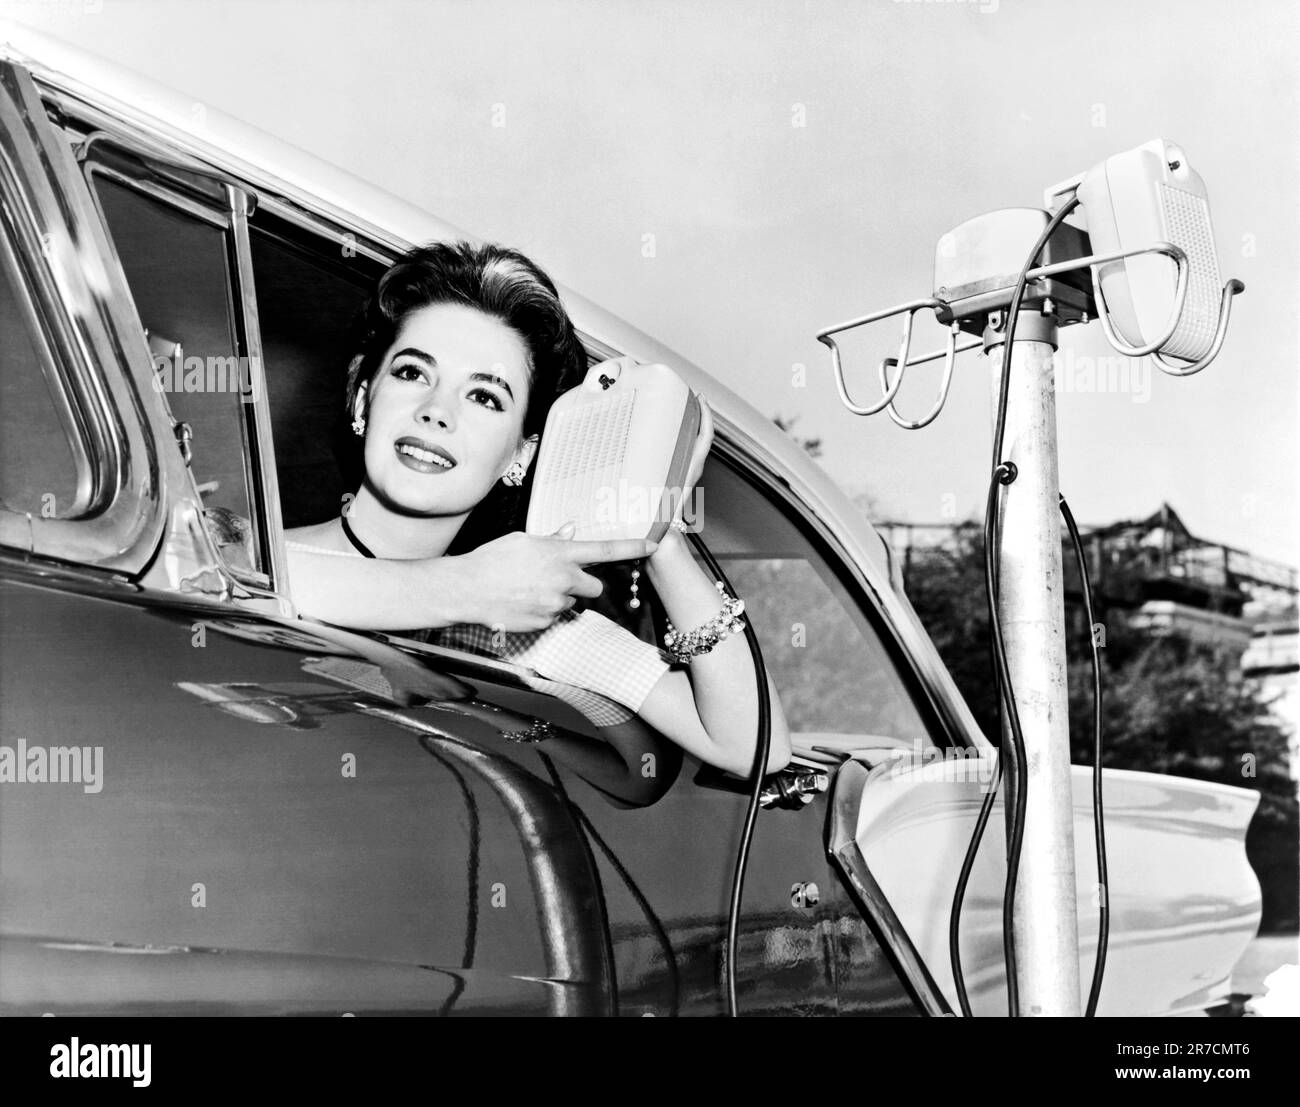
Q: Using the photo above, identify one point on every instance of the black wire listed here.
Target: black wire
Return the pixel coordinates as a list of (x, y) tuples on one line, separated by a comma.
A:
[(1003, 473), (757, 772), (1002, 671), (954, 919), (1098, 818), (1012, 312)]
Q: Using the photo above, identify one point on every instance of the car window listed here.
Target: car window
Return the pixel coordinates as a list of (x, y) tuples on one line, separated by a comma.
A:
[(39, 443), (308, 292), (176, 262), (839, 685)]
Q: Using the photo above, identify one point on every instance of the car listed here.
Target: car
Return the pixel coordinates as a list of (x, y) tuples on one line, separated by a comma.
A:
[(216, 806)]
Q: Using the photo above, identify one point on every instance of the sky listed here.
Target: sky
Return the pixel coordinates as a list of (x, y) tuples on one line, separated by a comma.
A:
[(795, 165)]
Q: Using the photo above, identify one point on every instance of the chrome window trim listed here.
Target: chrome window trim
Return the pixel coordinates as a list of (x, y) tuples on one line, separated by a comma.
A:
[(176, 199), (72, 416), (61, 249), (335, 232), (266, 481), (255, 441)]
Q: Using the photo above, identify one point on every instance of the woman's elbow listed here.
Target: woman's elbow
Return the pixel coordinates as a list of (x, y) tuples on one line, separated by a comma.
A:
[(741, 762)]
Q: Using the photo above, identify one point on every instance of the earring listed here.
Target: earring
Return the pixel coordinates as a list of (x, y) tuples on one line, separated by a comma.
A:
[(635, 601), (514, 476), (359, 425)]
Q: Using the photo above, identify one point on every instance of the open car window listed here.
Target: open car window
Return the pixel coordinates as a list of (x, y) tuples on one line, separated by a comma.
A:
[(840, 683)]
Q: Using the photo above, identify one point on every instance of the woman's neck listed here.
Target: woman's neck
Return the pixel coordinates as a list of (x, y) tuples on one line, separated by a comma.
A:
[(400, 537)]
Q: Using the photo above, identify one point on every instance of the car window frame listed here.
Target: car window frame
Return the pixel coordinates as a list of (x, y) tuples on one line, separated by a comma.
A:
[(61, 257), (862, 609), (231, 219)]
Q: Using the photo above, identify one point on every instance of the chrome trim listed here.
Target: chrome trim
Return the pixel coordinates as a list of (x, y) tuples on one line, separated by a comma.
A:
[(843, 849), (327, 228), (62, 248), (560, 869), (260, 449), (253, 587), (71, 417), (155, 191), (159, 151)]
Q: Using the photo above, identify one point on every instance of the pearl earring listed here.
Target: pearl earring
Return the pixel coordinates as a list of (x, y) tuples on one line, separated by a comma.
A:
[(635, 601), (359, 425)]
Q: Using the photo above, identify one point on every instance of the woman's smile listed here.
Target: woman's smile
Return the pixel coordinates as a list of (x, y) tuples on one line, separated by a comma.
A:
[(422, 456)]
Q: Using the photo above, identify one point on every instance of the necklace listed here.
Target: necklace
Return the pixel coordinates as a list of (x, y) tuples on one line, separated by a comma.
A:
[(360, 546)]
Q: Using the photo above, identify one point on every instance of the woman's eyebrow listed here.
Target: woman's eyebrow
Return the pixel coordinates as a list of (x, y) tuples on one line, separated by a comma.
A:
[(493, 380), (420, 355)]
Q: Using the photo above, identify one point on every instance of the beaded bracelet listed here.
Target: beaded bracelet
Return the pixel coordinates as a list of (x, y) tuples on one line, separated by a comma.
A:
[(682, 647)]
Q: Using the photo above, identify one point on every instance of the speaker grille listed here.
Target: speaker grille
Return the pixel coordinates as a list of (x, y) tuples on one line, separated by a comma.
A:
[(1187, 222), (592, 442)]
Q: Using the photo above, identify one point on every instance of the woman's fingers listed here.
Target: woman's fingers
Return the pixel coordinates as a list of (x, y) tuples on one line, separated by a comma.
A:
[(587, 586), (618, 549)]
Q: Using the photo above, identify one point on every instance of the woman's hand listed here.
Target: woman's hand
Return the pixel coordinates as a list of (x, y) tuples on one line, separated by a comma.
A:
[(523, 582), (673, 539), (700, 454)]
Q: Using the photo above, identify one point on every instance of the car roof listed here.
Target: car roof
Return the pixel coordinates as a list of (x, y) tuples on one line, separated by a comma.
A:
[(252, 154)]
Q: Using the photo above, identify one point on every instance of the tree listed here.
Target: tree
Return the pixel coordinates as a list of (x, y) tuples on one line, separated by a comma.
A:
[(1169, 706)]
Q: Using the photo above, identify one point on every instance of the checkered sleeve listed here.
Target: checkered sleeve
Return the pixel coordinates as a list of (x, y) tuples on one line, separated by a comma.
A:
[(584, 650)]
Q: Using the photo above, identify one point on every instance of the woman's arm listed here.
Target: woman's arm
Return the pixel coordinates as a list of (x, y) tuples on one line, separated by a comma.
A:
[(377, 594), (713, 711), (519, 582)]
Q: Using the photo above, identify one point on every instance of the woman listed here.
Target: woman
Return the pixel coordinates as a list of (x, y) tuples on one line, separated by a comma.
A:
[(462, 352)]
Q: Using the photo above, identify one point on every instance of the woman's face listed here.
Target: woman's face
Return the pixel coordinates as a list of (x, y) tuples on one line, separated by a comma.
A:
[(445, 412)]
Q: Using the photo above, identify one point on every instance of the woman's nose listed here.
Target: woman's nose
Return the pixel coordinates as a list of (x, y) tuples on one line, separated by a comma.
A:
[(437, 408)]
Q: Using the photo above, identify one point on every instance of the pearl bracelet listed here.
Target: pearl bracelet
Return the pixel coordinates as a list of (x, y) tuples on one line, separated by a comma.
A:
[(682, 647)]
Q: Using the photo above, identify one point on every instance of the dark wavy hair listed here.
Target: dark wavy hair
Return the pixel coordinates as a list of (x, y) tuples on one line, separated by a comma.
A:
[(502, 283)]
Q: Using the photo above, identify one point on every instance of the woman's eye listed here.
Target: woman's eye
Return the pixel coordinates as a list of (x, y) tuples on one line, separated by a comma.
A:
[(488, 399), (408, 372)]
